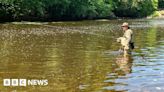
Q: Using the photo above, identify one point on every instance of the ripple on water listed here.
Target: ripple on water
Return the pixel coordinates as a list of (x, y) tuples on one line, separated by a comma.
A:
[(147, 73)]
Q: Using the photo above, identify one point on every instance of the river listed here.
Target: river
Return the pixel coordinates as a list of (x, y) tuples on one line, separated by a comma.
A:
[(82, 56)]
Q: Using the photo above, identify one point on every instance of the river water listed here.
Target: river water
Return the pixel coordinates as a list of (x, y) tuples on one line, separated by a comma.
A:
[(82, 56)]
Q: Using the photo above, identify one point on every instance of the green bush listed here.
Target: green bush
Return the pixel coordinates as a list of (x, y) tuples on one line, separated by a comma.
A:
[(78, 9), (21, 9), (134, 8)]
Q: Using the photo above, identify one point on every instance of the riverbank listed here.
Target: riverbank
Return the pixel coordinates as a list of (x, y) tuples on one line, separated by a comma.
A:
[(157, 14)]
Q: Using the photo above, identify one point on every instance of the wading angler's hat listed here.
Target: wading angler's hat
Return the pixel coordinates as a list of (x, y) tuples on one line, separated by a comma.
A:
[(125, 24)]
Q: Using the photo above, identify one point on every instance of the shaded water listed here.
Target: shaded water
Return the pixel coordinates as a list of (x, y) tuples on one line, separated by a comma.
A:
[(82, 56)]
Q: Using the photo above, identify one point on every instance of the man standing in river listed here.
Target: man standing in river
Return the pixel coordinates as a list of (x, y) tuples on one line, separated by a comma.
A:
[(127, 39)]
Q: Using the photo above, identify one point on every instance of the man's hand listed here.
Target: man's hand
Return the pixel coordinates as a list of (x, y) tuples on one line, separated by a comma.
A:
[(118, 40)]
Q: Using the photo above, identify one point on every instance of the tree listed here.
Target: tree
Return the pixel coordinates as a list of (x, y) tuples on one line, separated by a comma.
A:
[(74, 9), (134, 8)]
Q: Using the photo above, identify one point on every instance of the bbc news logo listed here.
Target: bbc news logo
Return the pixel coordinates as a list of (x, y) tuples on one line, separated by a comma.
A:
[(24, 82)]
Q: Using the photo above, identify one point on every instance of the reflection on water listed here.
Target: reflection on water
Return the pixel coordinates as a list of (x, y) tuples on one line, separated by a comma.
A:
[(82, 57), (125, 64)]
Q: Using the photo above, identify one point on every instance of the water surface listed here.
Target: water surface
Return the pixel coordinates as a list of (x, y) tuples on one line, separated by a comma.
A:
[(82, 56)]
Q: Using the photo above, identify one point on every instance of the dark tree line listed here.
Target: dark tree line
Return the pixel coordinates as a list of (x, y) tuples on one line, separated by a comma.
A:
[(51, 10), (161, 3)]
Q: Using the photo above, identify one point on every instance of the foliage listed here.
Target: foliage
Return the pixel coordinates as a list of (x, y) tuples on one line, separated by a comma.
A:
[(161, 3), (74, 9), (135, 8)]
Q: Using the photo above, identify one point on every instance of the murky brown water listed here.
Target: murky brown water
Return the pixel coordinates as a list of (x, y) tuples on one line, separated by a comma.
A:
[(82, 56)]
